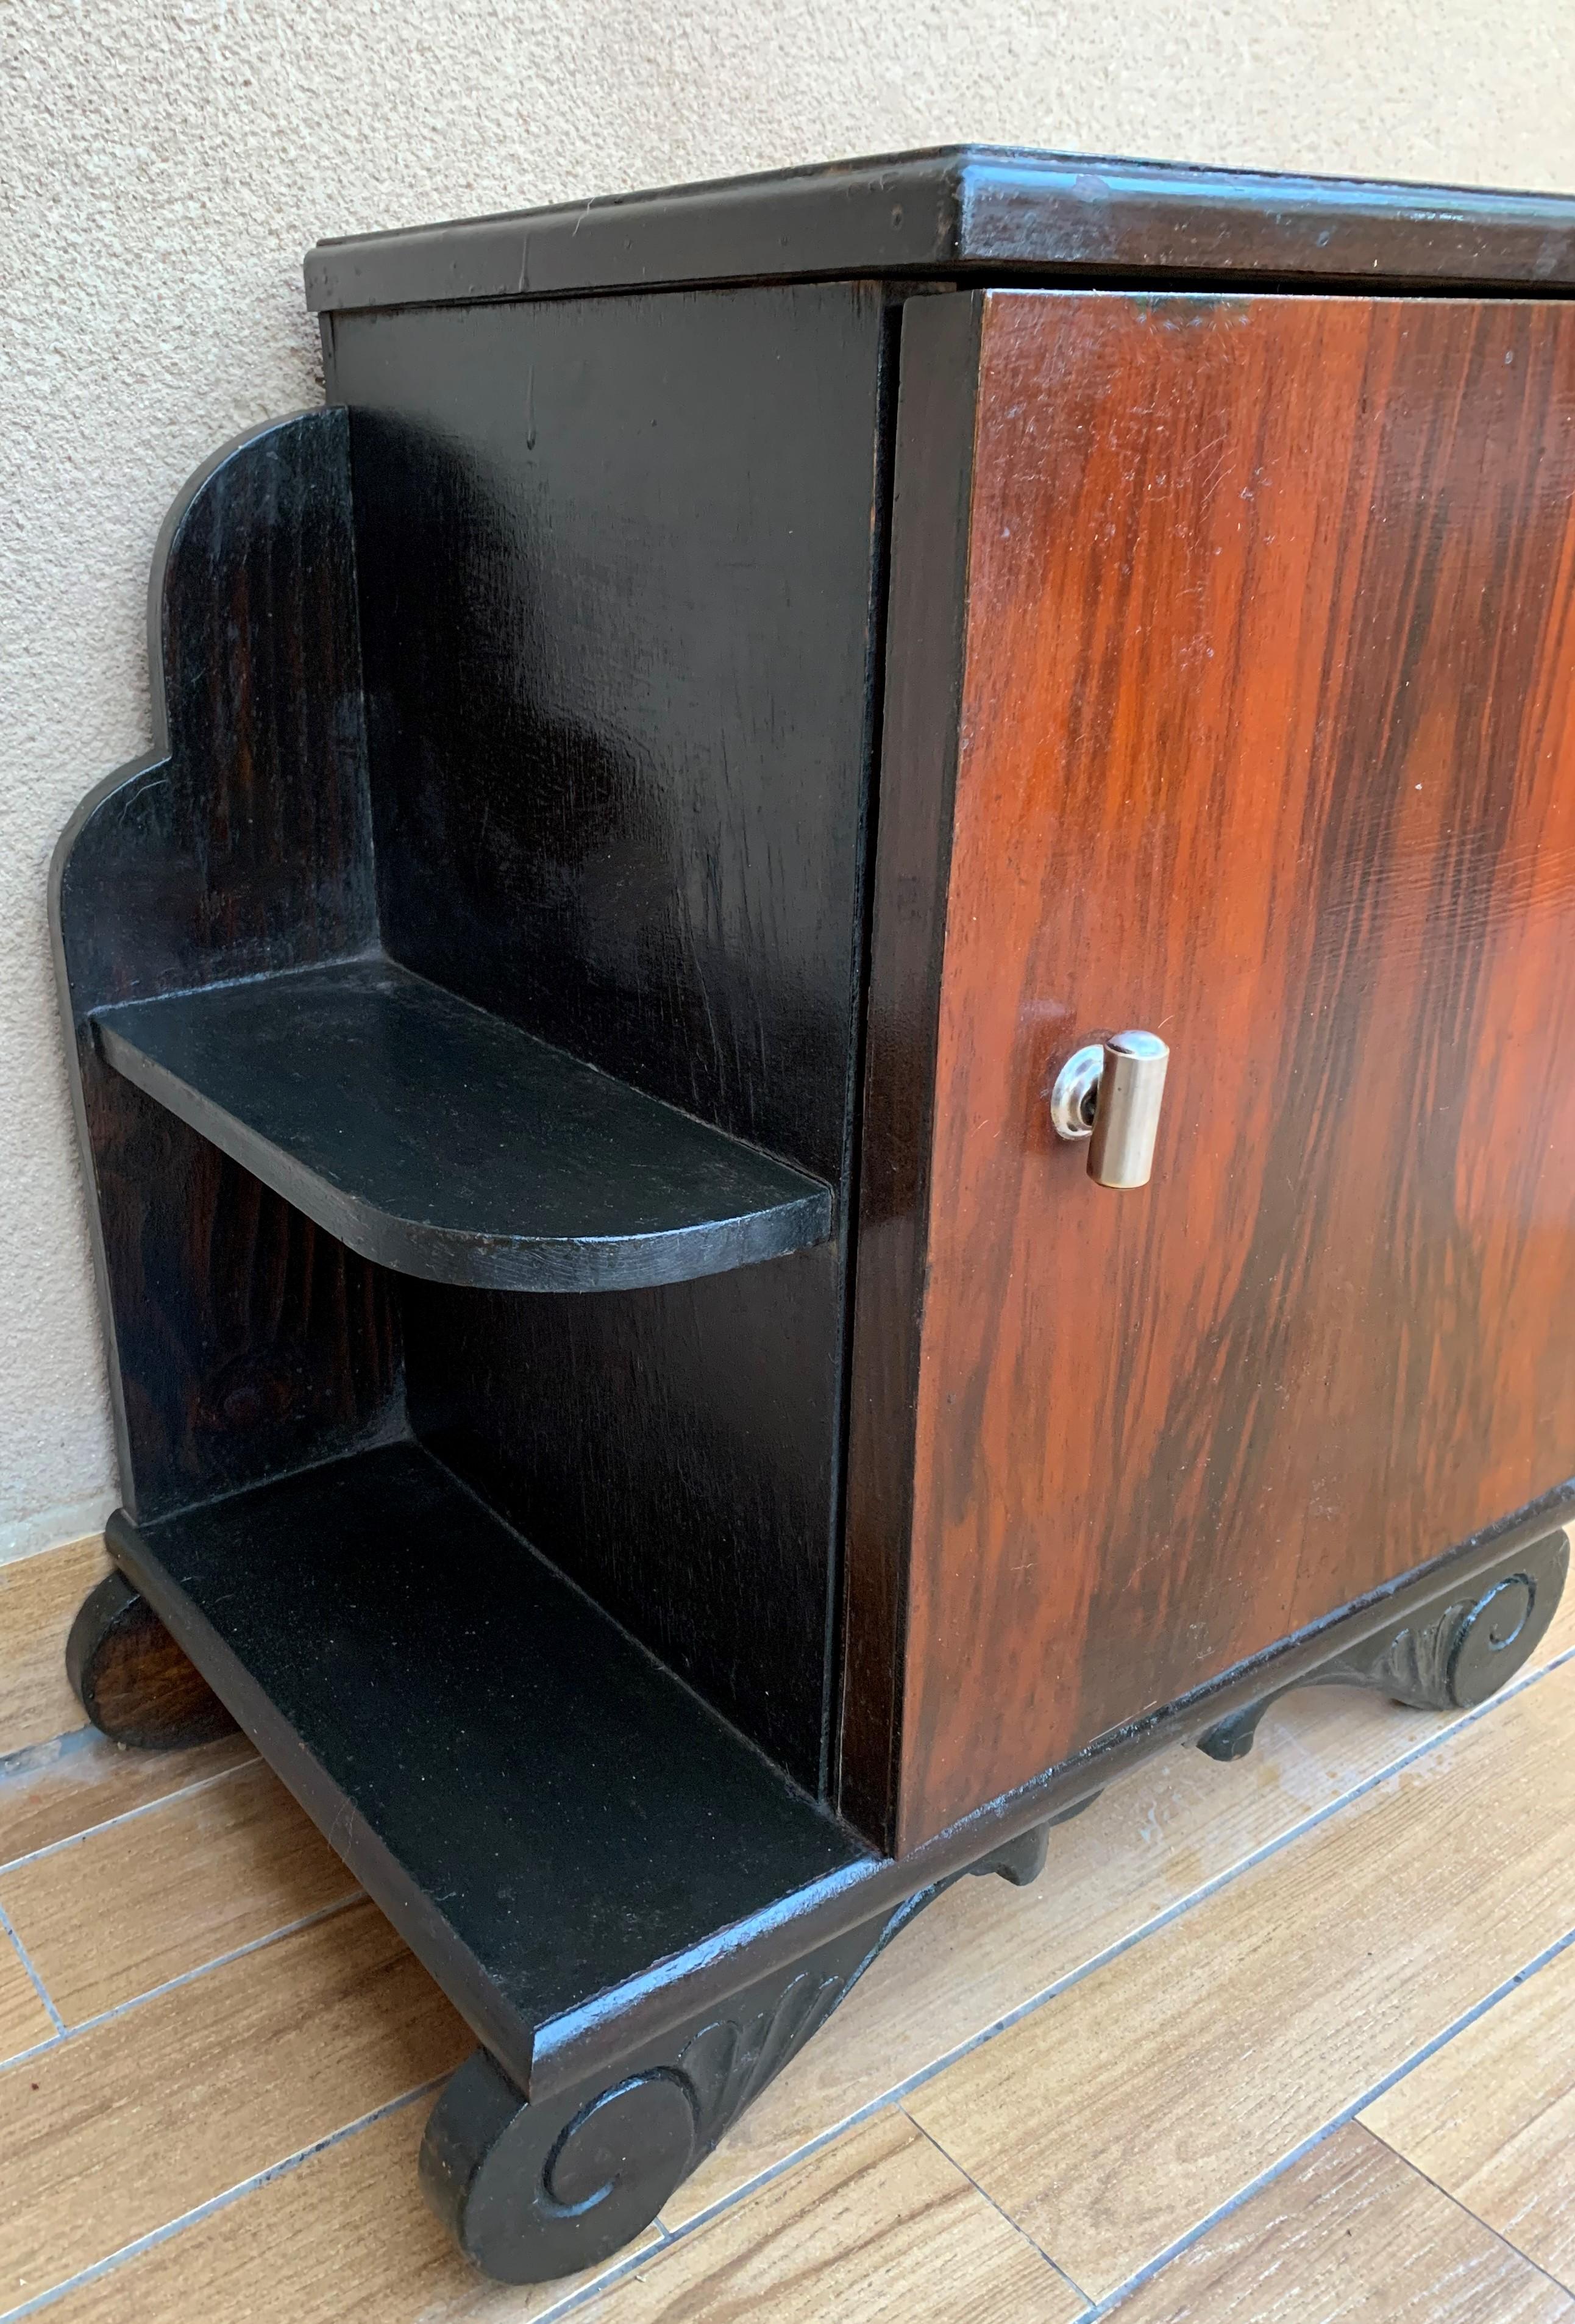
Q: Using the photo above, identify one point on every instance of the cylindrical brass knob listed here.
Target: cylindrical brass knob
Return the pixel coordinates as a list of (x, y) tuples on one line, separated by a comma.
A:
[(1109, 1092)]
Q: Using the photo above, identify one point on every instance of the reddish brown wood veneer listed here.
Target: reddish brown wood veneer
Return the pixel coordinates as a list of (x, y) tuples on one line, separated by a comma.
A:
[(1264, 664)]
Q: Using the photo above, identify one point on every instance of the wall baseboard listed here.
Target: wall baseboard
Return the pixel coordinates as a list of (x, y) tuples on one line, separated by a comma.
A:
[(56, 1529)]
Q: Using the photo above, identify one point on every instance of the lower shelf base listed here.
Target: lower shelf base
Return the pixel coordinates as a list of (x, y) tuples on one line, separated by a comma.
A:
[(534, 2190), (548, 1817), (542, 1811)]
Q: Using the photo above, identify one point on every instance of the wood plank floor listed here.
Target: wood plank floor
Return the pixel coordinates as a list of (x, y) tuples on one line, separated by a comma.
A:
[(1490, 2118), (38, 1598), (1287, 2041)]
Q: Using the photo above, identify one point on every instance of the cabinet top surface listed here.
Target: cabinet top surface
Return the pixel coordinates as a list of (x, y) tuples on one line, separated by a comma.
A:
[(970, 210)]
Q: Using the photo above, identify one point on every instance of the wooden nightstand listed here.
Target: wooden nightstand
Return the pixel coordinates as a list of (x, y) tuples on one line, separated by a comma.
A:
[(754, 719)]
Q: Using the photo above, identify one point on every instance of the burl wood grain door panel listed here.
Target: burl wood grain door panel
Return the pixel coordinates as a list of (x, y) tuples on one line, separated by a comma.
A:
[(1262, 653)]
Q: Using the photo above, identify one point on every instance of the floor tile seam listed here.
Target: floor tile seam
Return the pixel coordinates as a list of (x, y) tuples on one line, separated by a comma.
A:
[(1217, 1882), (898, 2091), (126, 1815), (1005, 2216), (890, 2098), (204, 1968), (198, 2212), (1460, 2204), (731, 2201), (1326, 2130), (38, 1987)]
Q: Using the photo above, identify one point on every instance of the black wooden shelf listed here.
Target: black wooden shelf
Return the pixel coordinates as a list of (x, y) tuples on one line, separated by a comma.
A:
[(442, 1142), (542, 1809)]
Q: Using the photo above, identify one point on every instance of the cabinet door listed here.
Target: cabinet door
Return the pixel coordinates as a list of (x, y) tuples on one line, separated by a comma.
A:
[(1231, 674)]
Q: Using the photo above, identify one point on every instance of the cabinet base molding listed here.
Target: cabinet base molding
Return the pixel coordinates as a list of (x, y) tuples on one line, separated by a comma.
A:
[(531, 2189), (1451, 1656), (540, 2168)]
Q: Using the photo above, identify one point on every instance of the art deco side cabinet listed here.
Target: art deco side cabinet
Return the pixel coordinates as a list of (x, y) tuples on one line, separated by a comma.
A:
[(753, 721)]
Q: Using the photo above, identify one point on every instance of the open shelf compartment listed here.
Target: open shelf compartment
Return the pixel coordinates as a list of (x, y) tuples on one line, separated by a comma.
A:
[(439, 1141), (542, 1809)]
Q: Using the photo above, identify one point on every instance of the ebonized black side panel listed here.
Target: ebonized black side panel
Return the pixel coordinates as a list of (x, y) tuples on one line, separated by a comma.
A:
[(616, 562), (620, 564), (243, 1340)]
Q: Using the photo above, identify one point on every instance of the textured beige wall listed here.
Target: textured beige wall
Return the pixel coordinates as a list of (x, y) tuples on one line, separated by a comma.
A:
[(164, 162)]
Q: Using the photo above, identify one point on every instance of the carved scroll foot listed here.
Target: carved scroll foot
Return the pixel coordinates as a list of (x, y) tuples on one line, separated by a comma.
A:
[(131, 1679), (1447, 1656), (533, 2189)]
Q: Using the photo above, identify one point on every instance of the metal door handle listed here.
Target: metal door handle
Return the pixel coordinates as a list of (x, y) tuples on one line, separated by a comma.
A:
[(1109, 1092)]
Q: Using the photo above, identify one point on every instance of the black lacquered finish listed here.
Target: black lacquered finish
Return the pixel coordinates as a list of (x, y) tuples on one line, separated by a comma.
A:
[(602, 766), (962, 210), (442, 1142), (619, 591), (544, 1811)]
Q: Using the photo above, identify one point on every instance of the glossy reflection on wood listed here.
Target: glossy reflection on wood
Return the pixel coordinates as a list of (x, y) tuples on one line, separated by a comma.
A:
[(1265, 670)]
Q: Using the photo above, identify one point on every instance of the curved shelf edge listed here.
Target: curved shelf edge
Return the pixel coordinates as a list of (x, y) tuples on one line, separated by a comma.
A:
[(440, 1141)]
